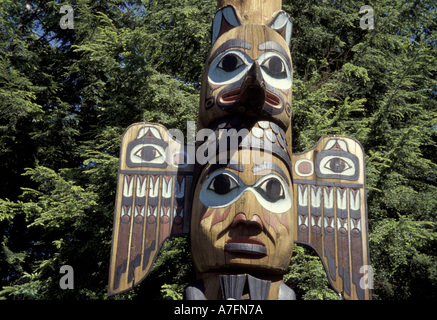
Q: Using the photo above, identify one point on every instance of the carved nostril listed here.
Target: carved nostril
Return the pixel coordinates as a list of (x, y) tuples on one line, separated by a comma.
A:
[(256, 220), (239, 218)]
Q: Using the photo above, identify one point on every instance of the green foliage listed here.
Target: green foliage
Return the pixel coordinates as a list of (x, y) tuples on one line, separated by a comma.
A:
[(307, 276), (66, 97), (402, 259), (379, 86)]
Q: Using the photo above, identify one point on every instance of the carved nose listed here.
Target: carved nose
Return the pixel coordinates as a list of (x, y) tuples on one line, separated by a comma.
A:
[(241, 219), (255, 74), (253, 88)]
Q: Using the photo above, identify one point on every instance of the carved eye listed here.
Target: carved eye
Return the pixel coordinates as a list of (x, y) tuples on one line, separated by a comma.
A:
[(148, 153), (272, 189), (230, 62), (337, 165), (223, 184), (275, 67)]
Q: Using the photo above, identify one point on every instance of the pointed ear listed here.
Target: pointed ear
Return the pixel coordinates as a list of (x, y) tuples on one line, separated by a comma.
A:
[(224, 20), (282, 24)]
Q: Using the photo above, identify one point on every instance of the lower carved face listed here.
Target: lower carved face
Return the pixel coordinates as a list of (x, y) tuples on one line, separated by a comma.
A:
[(242, 217)]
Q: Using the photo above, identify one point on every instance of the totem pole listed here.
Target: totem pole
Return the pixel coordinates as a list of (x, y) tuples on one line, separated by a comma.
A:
[(240, 194)]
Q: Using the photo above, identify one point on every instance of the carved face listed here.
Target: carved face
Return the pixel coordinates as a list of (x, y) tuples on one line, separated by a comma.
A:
[(248, 71), (242, 216)]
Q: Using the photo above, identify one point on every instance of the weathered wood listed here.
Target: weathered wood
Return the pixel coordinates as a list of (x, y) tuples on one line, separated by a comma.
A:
[(246, 226), (255, 11), (153, 192), (247, 199), (331, 213)]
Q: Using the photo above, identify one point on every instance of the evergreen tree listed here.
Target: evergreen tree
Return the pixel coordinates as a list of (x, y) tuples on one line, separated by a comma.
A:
[(379, 86)]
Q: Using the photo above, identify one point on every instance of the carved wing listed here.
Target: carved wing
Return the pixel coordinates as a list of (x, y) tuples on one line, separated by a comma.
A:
[(331, 212), (152, 202)]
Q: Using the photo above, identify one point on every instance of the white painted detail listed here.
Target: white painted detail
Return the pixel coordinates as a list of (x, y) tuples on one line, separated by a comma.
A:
[(153, 187), (341, 200), (316, 197), (302, 196), (128, 187), (354, 200), (141, 187), (328, 197), (167, 187)]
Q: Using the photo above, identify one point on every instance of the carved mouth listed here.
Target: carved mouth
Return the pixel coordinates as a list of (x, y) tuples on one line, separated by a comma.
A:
[(246, 245), (272, 100), (234, 96)]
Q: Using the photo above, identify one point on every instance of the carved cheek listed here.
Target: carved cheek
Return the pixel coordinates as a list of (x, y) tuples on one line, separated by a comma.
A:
[(272, 219), (218, 215)]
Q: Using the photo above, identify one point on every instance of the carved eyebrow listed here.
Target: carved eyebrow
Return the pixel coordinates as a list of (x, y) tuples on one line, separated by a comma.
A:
[(272, 45), (236, 166), (267, 165), (232, 43)]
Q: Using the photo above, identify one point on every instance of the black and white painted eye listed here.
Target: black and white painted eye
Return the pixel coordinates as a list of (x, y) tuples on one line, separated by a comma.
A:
[(223, 184), (230, 62), (275, 70), (272, 189), (272, 193), (275, 67), (221, 189), (337, 165), (147, 154), (229, 67)]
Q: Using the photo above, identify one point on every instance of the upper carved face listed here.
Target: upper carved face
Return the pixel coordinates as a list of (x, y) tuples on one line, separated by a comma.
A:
[(248, 71)]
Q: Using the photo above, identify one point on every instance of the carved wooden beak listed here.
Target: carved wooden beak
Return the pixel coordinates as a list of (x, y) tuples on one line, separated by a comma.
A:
[(253, 89)]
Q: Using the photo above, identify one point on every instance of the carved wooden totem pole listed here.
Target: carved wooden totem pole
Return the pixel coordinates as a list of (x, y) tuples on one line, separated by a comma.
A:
[(240, 194)]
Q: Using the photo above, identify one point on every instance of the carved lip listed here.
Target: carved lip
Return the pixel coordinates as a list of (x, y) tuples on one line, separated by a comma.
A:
[(247, 245), (248, 240), (234, 96), (273, 100), (231, 96)]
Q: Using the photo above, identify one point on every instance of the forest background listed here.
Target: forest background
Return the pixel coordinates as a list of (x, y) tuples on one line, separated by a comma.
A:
[(67, 95)]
